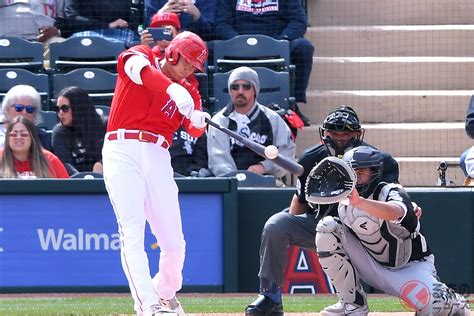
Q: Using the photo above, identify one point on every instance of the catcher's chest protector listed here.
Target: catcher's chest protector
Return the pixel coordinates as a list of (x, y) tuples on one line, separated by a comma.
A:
[(388, 243)]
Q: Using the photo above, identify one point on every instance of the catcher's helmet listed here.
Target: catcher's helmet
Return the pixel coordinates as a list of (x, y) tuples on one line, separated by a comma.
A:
[(190, 46), (366, 157), (342, 119)]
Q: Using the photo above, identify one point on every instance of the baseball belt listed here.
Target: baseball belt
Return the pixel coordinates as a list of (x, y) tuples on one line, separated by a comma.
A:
[(142, 136)]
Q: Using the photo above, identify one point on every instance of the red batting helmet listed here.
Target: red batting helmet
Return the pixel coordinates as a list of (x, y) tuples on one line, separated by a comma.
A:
[(190, 46), (165, 18)]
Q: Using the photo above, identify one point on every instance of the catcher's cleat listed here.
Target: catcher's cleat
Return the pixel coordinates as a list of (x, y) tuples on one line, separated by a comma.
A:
[(341, 309), (174, 305), (264, 306)]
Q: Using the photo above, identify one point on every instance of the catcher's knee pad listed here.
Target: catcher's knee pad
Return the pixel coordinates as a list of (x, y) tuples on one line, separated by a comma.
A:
[(445, 302), (335, 262), (328, 234)]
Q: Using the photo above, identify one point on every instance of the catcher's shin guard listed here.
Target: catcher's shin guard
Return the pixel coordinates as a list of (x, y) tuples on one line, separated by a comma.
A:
[(335, 262)]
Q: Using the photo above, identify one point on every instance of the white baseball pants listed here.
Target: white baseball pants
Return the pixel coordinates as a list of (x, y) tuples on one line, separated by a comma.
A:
[(139, 179)]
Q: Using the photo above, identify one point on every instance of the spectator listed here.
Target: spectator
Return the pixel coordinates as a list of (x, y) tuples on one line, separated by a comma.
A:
[(189, 154), (376, 237), (78, 137), (23, 100), (41, 21), (249, 118), (108, 19), (23, 157), (296, 225), (470, 132), (281, 19), (196, 16), (166, 20)]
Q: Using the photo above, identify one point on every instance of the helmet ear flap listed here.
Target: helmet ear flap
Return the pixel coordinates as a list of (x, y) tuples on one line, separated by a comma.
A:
[(172, 55)]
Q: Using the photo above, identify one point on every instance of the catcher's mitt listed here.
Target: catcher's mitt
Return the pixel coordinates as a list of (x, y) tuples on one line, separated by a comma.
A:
[(330, 181)]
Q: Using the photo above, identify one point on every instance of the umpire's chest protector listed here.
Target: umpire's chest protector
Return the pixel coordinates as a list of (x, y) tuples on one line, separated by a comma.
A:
[(388, 243)]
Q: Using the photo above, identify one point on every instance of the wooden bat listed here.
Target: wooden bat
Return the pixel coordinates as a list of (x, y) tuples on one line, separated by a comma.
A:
[(282, 161)]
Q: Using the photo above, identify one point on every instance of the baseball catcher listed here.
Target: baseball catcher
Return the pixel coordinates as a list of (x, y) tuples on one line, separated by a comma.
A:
[(376, 237)]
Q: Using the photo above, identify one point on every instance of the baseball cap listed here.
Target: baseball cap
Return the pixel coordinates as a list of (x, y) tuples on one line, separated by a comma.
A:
[(165, 18)]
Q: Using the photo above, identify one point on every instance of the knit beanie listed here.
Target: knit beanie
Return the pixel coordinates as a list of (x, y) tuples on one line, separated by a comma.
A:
[(247, 74)]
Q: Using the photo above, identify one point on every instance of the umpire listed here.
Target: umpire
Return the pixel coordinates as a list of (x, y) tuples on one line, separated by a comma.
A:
[(296, 225)]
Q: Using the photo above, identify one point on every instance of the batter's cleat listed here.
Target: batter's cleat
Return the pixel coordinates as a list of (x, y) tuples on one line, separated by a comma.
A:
[(340, 309), (156, 310), (174, 305), (264, 306)]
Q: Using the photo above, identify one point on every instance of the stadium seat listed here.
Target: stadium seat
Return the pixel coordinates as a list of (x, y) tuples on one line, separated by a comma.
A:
[(80, 52), (10, 77), (16, 52), (99, 83), (252, 51), (274, 88), (247, 178), (87, 175), (50, 119), (102, 110), (203, 88)]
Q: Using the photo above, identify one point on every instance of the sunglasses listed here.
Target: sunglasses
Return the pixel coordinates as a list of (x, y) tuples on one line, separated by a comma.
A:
[(20, 107), (22, 135), (236, 86), (64, 107)]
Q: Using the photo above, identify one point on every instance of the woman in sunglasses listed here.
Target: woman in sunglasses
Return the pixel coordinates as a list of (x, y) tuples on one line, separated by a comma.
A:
[(23, 100), (24, 158), (78, 138)]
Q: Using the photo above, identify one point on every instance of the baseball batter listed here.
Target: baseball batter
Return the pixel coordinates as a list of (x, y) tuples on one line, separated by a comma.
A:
[(151, 101), (377, 238)]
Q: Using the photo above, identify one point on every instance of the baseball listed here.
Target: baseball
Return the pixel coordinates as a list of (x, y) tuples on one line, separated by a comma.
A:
[(271, 152)]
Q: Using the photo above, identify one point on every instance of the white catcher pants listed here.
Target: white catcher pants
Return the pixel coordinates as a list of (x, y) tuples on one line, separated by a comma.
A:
[(139, 179)]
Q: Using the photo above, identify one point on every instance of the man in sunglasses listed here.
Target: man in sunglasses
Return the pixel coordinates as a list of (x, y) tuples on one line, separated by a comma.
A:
[(23, 100), (250, 119)]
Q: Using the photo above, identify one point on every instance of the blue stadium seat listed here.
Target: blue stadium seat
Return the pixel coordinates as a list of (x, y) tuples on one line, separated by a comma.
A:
[(10, 77), (251, 51), (50, 119), (89, 52), (16, 52), (202, 78), (87, 175), (99, 83), (102, 110), (250, 179)]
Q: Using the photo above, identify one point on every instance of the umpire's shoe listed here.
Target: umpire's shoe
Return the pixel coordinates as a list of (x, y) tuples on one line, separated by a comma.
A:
[(264, 306)]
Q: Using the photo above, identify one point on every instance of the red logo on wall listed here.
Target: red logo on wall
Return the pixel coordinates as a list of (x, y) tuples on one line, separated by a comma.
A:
[(303, 273), (415, 295)]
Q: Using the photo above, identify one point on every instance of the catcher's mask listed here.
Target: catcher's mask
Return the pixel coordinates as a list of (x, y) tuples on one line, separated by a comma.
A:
[(366, 157), (342, 119)]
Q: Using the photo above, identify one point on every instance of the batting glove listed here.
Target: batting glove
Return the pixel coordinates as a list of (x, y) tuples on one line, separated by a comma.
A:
[(198, 118), (182, 98)]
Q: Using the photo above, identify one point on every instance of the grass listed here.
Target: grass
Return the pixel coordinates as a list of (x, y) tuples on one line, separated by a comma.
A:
[(193, 304)]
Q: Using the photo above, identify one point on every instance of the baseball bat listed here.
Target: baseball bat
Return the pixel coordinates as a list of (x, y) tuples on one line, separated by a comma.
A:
[(280, 160)]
